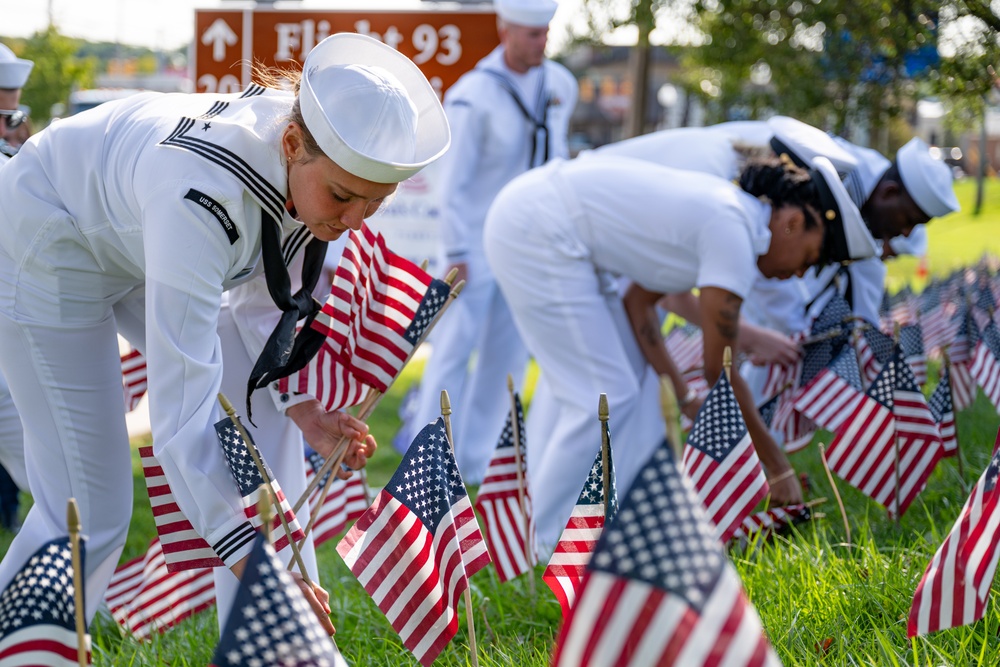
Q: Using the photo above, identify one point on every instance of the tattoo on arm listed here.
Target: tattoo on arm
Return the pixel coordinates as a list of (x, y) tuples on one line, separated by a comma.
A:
[(650, 334), (728, 321)]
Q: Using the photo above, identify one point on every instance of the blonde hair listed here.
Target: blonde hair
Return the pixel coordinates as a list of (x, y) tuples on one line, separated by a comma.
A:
[(281, 78)]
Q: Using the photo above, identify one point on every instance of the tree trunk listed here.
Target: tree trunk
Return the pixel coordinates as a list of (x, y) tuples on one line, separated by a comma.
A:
[(981, 176), (635, 122)]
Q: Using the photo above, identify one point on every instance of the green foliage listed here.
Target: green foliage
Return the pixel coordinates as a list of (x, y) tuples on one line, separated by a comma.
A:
[(57, 70), (816, 60)]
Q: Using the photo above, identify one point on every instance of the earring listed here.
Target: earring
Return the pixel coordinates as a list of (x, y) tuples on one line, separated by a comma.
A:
[(788, 232)]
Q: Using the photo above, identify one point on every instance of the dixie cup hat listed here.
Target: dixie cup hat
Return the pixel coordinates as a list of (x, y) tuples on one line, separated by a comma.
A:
[(530, 13), (849, 237), (803, 143), (926, 179), (14, 71), (371, 109)]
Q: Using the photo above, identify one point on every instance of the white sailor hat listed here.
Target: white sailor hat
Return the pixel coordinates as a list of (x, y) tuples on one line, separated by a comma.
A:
[(926, 179), (14, 71), (371, 109), (531, 13), (802, 143), (849, 238)]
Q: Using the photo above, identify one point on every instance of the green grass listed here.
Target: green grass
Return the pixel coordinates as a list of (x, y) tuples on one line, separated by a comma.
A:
[(822, 602)]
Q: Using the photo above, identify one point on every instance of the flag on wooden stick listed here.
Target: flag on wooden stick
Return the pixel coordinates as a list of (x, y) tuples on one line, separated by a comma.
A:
[(379, 307), (38, 610), (183, 548), (505, 505), (249, 479), (593, 510), (889, 444), (721, 461), (417, 545), (943, 410), (956, 584), (145, 597), (833, 393), (271, 623), (659, 589)]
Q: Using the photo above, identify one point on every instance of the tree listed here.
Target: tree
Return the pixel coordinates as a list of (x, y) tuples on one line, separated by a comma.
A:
[(57, 71), (835, 63)]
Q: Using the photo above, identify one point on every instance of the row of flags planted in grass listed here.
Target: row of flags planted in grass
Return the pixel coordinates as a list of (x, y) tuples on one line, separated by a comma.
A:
[(650, 582), (658, 587)]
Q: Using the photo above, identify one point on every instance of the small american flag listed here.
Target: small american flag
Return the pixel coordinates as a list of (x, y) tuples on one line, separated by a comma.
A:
[(833, 394), (911, 339), (935, 322), (985, 367), (943, 411), (721, 461), (904, 307), (271, 623), (183, 548), (145, 597), (772, 521), (659, 589), (685, 347), (249, 480), (38, 611), (510, 530), (134, 380), (963, 383), (956, 584), (888, 445), (833, 320), (378, 309), (345, 501), (417, 545), (593, 510), (874, 348)]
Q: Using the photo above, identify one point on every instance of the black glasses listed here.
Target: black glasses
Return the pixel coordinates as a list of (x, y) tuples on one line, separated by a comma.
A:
[(14, 117)]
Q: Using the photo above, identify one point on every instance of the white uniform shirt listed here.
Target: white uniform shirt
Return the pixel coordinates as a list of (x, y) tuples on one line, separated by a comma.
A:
[(491, 141), (167, 190), (672, 230)]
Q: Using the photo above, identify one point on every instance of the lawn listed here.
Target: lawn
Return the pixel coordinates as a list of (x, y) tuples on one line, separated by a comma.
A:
[(822, 601)]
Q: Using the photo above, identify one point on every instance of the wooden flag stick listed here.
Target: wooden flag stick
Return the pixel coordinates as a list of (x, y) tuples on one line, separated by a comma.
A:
[(469, 616), (836, 493), (371, 401), (73, 524), (264, 509), (951, 390), (603, 414), (296, 555), (515, 423), (671, 415), (727, 362)]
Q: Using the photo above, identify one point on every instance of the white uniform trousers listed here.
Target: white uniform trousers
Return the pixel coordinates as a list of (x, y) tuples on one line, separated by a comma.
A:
[(279, 441), (67, 387), (11, 438), (564, 318), (478, 327)]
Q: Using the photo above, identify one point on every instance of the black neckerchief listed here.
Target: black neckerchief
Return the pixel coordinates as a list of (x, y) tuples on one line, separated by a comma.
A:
[(284, 352)]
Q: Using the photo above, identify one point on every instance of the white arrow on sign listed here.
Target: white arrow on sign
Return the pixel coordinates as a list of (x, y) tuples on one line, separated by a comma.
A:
[(219, 35)]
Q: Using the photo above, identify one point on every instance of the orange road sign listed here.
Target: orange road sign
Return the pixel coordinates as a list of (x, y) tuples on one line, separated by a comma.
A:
[(444, 44)]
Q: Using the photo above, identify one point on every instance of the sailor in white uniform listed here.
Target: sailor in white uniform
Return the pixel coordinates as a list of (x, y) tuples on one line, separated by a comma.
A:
[(510, 113), (896, 200), (184, 196), (552, 231), (14, 74)]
